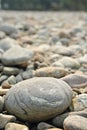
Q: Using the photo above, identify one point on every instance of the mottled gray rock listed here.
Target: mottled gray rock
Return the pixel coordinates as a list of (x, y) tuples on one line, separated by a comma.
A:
[(76, 81), (45, 97), (44, 126), (16, 56), (15, 126), (75, 123), (4, 119), (27, 74), (8, 28), (12, 80), (1, 103)]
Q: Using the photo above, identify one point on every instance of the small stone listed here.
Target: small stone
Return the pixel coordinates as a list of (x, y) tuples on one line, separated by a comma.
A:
[(19, 78), (21, 56), (12, 80), (27, 74), (80, 102), (75, 123), (58, 120), (76, 81), (4, 119), (1, 103), (50, 72), (80, 113), (70, 62), (15, 126), (6, 85), (3, 91), (10, 70), (44, 126), (2, 35), (3, 78), (54, 129)]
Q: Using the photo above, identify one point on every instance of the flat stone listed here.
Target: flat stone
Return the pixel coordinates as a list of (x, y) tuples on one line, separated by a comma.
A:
[(80, 102), (3, 78), (10, 70), (21, 56), (45, 97), (15, 126), (27, 74), (1, 103), (70, 62), (75, 123), (76, 81), (4, 119), (55, 72)]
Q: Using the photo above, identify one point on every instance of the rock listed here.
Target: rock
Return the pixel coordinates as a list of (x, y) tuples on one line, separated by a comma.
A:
[(4, 119), (44, 126), (55, 129), (58, 120), (6, 85), (58, 64), (80, 102), (10, 70), (8, 43), (19, 77), (85, 90), (50, 98), (75, 123), (76, 81), (1, 103), (12, 80), (3, 91), (80, 113), (50, 72), (3, 78), (15, 126), (8, 28), (21, 56), (27, 74), (70, 62)]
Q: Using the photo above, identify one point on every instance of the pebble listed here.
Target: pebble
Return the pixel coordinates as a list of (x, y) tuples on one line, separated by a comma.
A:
[(10, 71), (15, 126), (70, 62), (21, 56), (4, 119), (3, 91), (76, 81), (58, 120), (75, 123), (51, 72), (50, 98)]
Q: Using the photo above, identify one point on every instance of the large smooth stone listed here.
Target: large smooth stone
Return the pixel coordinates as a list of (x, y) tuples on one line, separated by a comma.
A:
[(75, 123), (16, 56), (38, 99), (76, 81)]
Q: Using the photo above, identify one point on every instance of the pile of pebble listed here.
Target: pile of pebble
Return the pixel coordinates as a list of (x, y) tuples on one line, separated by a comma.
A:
[(43, 71)]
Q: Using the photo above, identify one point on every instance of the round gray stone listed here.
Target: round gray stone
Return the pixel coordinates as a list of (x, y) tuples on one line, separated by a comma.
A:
[(38, 99), (16, 56)]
